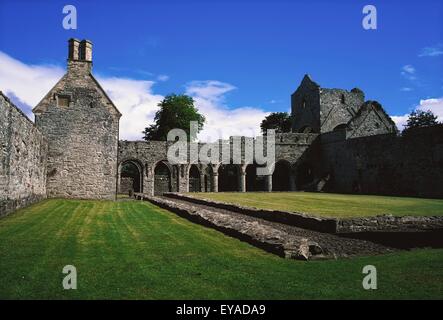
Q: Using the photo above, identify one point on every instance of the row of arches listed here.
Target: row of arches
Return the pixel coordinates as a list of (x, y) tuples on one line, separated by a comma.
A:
[(283, 177), (222, 178)]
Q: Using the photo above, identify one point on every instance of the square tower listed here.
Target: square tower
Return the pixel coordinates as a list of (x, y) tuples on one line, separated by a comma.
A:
[(320, 110)]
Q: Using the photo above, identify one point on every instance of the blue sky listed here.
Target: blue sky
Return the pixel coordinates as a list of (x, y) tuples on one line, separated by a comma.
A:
[(257, 50)]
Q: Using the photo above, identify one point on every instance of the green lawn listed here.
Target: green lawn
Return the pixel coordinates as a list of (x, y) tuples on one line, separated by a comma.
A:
[(329, 204), (134, 250)]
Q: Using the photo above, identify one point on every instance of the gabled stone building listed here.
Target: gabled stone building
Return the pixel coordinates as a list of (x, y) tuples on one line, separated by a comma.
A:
[(81, 125)]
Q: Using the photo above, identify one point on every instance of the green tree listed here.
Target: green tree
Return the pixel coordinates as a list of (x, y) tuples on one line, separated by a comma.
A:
[(420, 118), (176, 112), (280, 121)]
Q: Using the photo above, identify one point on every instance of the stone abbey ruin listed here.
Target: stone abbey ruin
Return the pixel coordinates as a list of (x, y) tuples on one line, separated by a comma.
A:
[(339, 143)]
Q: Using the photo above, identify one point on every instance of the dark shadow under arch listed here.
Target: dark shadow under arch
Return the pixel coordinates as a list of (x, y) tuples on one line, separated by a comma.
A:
[(194, 179), (228, 178), (162, 179), (254, 182), (305, 175), (131, 177), (281, 177)]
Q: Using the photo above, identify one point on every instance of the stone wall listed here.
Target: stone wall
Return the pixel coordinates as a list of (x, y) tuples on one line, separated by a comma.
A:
[(319, 110), (290, 148), (297, 219), (372, 224), (338, 107), (22, 159), (81, 125), (411, 165), (305, 106), (389, 223), (370, 120), (126, 185)]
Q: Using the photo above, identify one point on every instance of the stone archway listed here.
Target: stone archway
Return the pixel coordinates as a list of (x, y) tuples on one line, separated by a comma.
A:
[(305, 175), (341, 127), (130, 177), (208, 179), (281, 177), (194, 179), (162, 178), (253, 181), (228, 178)]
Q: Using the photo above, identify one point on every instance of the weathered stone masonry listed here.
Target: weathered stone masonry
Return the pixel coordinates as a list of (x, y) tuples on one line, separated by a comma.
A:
[(23, 154), (410, 165), (148, 156), (339, 143), (81, 124)]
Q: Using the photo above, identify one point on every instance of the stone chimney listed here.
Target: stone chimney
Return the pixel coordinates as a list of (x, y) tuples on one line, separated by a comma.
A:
[(74, 45), (85, 50), (79, 56)]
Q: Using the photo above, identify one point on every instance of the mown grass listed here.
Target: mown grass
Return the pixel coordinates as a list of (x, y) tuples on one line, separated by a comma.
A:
[(331, 205), (134, 250)]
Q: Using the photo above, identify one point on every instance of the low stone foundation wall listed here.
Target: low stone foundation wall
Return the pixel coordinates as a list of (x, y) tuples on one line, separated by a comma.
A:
[(290, 218), (385, 223), (10, 205), (389, 223), (267, 238)]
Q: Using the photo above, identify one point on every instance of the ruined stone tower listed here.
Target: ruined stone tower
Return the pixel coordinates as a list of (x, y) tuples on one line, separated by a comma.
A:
[(81, 125), (319, 110)]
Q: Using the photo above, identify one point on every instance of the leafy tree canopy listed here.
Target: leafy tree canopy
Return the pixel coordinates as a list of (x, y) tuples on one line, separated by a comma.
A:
[(420, 118), (176, 112), (280, 121)]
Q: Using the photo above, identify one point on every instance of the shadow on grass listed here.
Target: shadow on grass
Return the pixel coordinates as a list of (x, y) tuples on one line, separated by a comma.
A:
[(402, 239)]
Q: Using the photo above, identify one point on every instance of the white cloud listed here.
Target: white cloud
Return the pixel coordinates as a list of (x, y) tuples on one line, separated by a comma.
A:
[(136, 102), (400, 121), (27, 84), (435, 105), (212, 90), (222, 122), (162, 77), (431, 51), (405, 89), (408, 71)]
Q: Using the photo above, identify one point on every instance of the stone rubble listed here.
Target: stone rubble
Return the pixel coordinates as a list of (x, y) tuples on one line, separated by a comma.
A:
[(284, 240)]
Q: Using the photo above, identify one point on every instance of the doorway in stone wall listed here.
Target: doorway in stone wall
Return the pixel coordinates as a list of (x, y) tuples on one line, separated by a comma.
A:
[(131, 177), (228, 178), (162, 179), (281, 177), (254, 182), (194, 179)]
